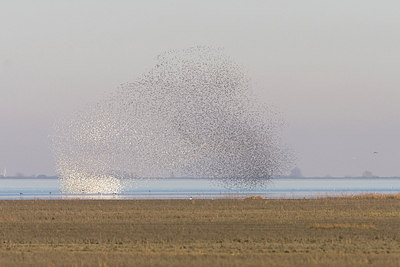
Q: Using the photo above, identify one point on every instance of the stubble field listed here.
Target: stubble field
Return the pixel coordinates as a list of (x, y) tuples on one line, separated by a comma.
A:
[(348, 231)]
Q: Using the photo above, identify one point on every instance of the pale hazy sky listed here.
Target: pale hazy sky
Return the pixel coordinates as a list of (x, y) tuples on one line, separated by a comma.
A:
[(331, 67)]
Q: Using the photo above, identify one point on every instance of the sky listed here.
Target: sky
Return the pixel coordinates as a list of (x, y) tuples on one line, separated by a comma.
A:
[(332, 68)]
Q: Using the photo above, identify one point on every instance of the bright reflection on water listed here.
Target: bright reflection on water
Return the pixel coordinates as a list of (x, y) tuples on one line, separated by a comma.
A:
[(179, 188)]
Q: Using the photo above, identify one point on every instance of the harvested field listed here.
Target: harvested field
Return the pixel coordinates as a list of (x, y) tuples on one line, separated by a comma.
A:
[(349, 231)]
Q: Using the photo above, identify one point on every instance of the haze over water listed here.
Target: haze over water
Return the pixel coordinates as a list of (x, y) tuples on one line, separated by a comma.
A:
[(173, 188)]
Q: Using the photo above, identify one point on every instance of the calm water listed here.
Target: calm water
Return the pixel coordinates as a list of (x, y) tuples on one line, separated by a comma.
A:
[(206, 188)]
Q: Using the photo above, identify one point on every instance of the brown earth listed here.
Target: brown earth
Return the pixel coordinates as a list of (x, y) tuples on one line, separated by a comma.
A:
[(347, 231)]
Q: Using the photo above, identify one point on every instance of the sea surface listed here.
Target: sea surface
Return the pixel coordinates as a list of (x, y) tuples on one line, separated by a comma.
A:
[(187, 188)]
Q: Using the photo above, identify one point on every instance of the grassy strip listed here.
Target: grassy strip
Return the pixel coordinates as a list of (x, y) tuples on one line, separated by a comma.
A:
[(227, 232)]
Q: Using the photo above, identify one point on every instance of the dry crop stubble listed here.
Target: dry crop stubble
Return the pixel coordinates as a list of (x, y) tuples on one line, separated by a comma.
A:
[(329, 231)]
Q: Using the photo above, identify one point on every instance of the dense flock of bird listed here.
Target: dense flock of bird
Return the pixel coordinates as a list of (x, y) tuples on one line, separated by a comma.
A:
[(192, 115)]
